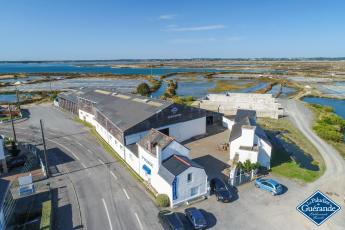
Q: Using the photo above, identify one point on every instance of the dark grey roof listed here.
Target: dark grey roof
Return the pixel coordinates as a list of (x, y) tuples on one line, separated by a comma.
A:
[(154, 138), (166, 175), (236, 132), (4, 186), (176, 164), (261, 133), (124, 110), (70, 96), (244, 116)]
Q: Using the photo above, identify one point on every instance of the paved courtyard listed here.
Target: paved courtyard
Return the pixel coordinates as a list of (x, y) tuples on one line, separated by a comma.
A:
[(208, 152)]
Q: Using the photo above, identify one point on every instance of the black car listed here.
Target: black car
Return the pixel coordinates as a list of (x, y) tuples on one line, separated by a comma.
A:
[(196, 218), (14, 162), (170, 221), (219, 188)]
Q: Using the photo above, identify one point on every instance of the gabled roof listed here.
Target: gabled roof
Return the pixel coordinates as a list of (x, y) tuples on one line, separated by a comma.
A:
[(246, 118), (154, 138), (177, 164), (124, 110)]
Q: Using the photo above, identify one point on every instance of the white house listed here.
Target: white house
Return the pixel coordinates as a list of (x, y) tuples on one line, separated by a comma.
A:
[(146, 133), (164, 163), (247, 140)]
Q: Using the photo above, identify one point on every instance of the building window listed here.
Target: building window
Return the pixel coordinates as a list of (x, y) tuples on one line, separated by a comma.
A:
[(194, 191), (189, 177)]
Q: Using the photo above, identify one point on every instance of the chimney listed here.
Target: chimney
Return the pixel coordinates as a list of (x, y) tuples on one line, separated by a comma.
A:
[(149, 146), (159, 156), (248, 134)]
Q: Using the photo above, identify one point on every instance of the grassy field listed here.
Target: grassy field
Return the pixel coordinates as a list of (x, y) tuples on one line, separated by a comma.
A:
[(328, 122), (282, 163), (227, 85)]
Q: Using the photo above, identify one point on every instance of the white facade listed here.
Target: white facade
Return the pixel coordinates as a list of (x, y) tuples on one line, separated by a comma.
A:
[(227, 123), (250, 146), (180, 131), (265, 105), (185, 190)]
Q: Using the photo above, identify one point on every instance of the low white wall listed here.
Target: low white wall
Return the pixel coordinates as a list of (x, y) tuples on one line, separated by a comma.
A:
[(88, 117), (227, 123)]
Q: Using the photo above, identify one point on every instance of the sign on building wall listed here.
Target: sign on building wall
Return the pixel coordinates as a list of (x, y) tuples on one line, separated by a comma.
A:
[(174, 188)]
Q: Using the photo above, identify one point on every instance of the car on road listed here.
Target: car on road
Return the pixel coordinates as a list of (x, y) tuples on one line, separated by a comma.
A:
[(219, 188), (170, 220), (270, 185), (196, 218)]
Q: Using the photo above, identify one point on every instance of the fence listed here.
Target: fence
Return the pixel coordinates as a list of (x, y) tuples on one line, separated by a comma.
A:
[(10, 197), (240, 177)]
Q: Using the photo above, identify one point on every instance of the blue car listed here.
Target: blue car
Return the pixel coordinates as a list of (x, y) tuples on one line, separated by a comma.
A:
[(270, 185), (196, 218)]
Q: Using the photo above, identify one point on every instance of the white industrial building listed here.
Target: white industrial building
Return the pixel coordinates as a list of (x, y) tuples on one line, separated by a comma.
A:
[(124, 120), (247, 140), (265, 105)]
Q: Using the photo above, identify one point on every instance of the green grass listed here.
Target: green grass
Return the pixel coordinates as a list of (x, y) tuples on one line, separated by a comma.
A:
[(46, 216), (227, 85), (326, 120), (83, 122), (281, 162)]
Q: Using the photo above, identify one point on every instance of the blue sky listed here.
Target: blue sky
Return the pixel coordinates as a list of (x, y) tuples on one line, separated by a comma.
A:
[(82, 29)]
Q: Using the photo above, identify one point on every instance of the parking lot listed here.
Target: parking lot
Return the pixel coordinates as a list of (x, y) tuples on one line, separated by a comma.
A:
[(251, 208)]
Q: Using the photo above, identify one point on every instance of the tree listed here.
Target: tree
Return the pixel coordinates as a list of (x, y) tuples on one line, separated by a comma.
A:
[(162, 200), (143, 89)]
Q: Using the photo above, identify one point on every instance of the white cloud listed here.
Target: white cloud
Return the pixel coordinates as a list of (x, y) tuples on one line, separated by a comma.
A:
[(196, 28), (167, 16)]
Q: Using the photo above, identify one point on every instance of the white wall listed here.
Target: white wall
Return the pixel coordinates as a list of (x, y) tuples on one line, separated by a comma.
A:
[(132, 160), (161, 186), (199, 179), (150, 161), (227, 123), (265, 151), (174, 148), (180, 131), (88, 117), (248, 134)]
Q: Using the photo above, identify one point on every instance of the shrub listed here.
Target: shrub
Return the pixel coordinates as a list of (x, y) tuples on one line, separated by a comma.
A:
[(46, 215), (162, 200), (143, 89)]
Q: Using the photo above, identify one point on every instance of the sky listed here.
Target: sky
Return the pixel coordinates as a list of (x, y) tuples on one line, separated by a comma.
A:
[(104, 29)]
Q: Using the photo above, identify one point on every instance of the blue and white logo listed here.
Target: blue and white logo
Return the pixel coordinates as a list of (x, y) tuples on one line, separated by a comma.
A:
[(318, 208)]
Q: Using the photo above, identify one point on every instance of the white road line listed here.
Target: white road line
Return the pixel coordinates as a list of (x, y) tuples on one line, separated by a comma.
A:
[(124, 190), (82, 164), (79, 144), (106, 210), (100, 161), (113, 174), (90, 151), (136, 215), (65, 148)]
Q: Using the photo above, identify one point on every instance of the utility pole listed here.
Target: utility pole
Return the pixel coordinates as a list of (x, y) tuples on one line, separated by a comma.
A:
[(13, 130), (18, 102), (44, 149)]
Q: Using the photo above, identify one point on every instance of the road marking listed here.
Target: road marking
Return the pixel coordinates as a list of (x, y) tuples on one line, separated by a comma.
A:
[(113, 174), (82, 164), (65, 148), (89, 151), (106, 210), (124, 190), (79, 144), (136, 215), (100, 161)]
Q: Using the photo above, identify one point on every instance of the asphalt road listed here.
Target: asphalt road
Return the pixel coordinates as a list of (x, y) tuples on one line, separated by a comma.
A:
[(92, 190)]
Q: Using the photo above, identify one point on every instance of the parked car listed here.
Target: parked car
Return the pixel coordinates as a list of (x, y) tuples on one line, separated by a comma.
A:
[(219, 188), (270, 185), (170, 221), (196, 218), (14, 162)]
